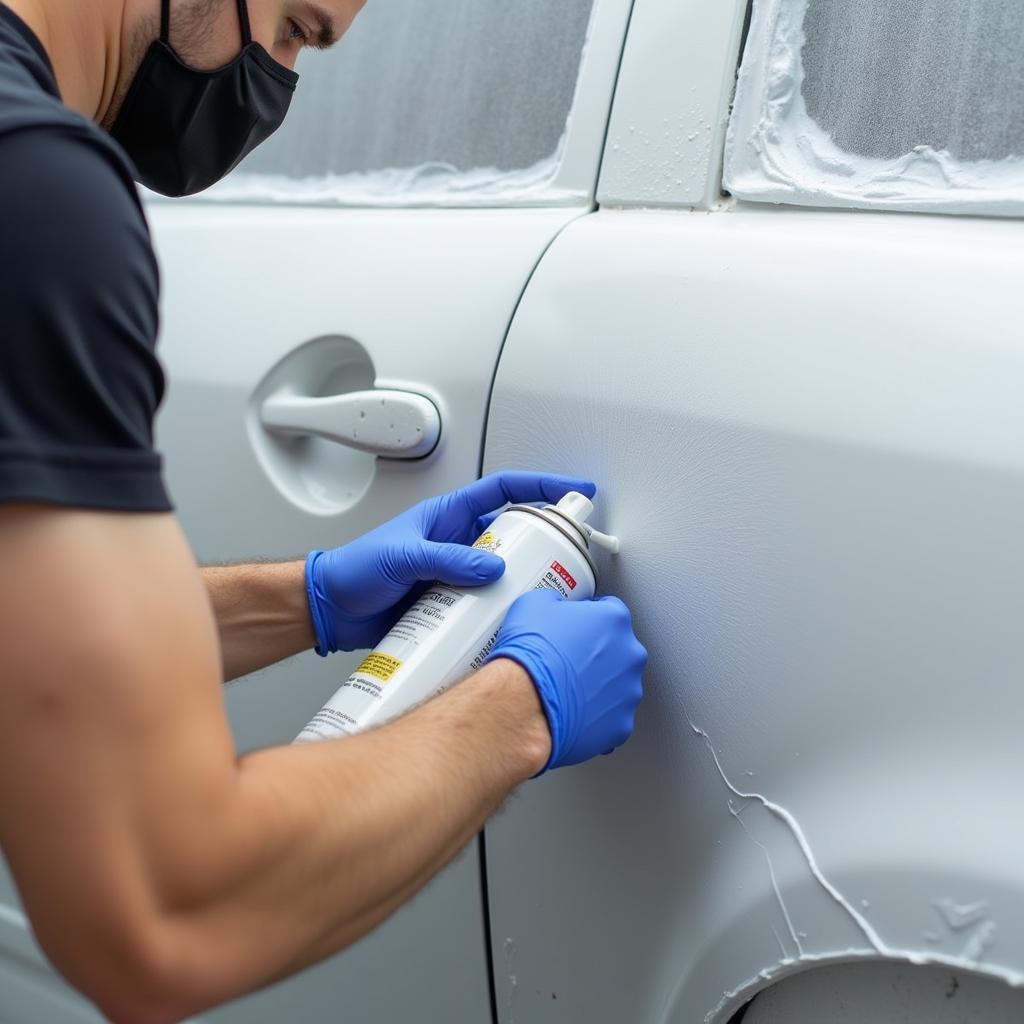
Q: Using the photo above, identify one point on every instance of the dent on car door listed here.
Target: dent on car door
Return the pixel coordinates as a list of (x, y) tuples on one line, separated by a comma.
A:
[(381, 240), (805, 426)]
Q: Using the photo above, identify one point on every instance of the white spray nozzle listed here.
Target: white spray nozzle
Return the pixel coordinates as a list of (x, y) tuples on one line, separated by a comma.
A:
[(576, 506), (603, 540)]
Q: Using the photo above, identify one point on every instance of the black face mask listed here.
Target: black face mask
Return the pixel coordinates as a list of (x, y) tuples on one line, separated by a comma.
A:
[(184, 128)]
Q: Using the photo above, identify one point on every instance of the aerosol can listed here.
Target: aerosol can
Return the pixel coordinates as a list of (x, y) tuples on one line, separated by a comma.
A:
[(449, 631)]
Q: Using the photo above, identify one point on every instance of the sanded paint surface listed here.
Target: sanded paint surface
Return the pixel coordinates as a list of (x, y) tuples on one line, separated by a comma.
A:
[(805, 428)]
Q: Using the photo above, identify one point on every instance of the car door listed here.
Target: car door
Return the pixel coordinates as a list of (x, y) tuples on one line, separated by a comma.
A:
[(801, 401), (381, 241)]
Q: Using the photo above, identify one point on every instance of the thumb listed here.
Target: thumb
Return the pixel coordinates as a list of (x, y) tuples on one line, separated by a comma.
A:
[(457, 564)]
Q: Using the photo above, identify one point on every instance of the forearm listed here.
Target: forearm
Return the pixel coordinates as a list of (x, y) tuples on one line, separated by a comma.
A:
[(393, 805), (322, 841), (262, 614)]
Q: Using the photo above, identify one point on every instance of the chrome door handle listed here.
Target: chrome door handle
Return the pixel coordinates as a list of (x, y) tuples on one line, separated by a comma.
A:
[(391, 424)]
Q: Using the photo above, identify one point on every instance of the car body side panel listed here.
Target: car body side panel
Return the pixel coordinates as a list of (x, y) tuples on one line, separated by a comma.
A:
[(806, 428)]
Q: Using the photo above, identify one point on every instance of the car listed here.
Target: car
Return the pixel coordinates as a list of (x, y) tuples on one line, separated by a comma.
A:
[(756, 271)]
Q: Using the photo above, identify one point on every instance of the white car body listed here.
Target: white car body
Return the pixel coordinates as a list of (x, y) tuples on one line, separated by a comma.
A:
[(806, 426)]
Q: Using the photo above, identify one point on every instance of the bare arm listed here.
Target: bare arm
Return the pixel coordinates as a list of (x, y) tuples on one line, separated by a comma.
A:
[(163, 875), (261, 612)]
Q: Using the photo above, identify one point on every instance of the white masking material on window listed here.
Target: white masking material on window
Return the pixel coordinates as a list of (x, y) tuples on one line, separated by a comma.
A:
[(896, 104), (465, 101)]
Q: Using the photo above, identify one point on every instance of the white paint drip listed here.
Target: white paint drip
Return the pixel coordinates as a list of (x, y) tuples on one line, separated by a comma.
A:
[(791, 823), (776, 152), (979, 941)]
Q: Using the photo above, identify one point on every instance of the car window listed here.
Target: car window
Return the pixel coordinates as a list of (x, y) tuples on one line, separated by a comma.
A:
[(906, 104), (420, 98)]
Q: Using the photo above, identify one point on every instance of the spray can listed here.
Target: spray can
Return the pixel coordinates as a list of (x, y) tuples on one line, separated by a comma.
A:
[(449, 631)]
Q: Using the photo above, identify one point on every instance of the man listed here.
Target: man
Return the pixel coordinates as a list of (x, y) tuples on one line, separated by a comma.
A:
[(161, 873)]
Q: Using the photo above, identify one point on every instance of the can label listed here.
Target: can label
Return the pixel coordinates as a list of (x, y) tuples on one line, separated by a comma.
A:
[(488, 542), (365, 687), (449, 631), (379, 665), (564, 573)]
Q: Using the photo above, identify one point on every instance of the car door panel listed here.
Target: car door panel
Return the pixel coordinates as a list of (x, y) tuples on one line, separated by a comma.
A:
[(428, 296)]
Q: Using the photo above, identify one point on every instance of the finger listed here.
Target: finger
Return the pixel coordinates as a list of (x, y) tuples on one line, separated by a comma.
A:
[(541, 595), (456, 564), (484, 522), (498, 489), (416, 591), (616, 607)]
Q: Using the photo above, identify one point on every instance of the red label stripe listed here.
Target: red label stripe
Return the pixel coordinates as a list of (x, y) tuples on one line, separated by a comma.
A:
[(564, 573)]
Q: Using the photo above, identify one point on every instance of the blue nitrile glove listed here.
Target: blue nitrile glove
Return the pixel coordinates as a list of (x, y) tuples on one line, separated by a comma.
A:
[(357, 592), (587, 665)]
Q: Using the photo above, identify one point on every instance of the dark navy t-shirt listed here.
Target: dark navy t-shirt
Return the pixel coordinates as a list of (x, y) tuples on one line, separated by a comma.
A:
[(79, 378)]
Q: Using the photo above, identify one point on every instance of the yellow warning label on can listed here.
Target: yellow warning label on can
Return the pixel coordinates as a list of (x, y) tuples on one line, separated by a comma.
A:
[(380, 666), (486, 541)]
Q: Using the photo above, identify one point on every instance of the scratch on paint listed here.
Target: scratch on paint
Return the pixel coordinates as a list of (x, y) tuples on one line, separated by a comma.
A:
[(782, 948), (509, 949), (775, 884)]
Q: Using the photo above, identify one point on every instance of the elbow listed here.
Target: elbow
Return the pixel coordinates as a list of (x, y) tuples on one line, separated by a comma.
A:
[(145, 974), (140, 1001)]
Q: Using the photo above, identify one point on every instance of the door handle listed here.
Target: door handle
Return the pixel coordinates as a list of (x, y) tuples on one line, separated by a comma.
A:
[(391, 424)]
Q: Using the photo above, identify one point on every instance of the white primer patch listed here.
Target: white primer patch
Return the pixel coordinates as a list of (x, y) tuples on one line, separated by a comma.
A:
[(776, 152)]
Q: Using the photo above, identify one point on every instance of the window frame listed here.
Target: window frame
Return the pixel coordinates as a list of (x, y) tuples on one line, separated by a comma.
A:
[(776, 153), (572, 181)]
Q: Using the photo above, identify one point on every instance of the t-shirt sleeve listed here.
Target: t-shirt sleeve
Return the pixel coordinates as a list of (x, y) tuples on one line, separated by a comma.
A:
[(79, 379)]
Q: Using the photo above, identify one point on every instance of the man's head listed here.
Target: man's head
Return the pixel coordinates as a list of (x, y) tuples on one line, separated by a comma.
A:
[(206, 34), (201, 83), (188, 87)]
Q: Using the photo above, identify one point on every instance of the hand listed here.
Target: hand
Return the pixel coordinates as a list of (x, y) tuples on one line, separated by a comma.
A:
[(587, 665), (357, 592)]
